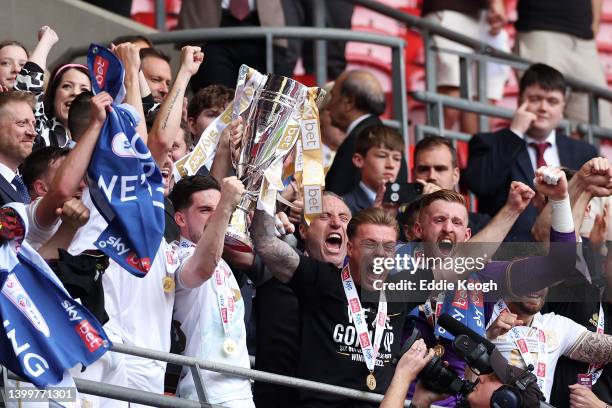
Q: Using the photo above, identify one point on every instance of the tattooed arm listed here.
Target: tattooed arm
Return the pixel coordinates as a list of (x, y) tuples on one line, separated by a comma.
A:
[(168, 120), (592, 348), (276, 254)]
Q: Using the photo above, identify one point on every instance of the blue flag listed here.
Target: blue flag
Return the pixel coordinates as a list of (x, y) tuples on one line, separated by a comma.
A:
[(126, 184), (46, 332)]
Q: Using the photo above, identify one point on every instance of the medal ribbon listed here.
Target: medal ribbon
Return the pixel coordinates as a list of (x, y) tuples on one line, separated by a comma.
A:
[(225, 298), (517, 335), (369, 350)]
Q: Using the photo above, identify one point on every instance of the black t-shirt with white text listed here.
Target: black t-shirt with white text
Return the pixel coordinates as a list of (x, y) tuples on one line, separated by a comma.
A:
[(330, 351)]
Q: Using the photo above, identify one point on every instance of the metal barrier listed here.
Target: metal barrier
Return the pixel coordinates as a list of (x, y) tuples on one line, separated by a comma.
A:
[(138, 396)]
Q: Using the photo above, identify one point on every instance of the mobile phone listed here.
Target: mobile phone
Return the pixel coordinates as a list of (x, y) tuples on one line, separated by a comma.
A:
[(400, 193)]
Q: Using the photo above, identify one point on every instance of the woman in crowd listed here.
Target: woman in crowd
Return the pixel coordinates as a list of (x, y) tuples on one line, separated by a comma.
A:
[(13, 56), (67, 81)]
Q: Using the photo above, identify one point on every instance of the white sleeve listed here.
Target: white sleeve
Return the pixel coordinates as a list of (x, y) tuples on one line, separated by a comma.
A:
[(569, 333), (37, 235)]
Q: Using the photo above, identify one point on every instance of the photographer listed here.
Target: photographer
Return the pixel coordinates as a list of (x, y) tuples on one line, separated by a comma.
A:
[(497, 389)]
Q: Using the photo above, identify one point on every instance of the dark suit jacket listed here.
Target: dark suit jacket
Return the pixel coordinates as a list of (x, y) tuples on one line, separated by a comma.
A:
[(343, 176), (497, 159), (7, 193), (357, 200)]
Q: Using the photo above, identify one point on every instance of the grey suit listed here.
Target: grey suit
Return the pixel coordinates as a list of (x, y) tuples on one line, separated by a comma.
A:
[(357, 200)]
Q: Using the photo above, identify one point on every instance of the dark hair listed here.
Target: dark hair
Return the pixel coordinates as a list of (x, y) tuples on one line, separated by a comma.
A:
[(374, 216), (211, 96), (379, 136), (545, 76), (432, 142), (365, 91), (184, 189), (38, 162), (122, 39), (49, 97), (8, 43), (153, 52), (78, 115)]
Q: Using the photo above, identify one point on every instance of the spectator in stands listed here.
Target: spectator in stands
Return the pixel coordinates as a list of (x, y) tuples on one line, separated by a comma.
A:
[(203, 210), (278, 339), (562, 35), (13, 56), (435, 166), (464, 17), (357, 100), (532, 141), (522, 315), (67, 81), (208, 103), (17, 134), (223, 58), (155, 66), (378, 155), (330, 351), (140, 41)]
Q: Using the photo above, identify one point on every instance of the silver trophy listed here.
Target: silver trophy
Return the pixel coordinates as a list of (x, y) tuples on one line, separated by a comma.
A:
[(264, 141)]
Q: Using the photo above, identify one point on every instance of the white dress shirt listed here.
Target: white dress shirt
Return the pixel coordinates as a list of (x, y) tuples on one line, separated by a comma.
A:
[(551, 155), (357, 121)]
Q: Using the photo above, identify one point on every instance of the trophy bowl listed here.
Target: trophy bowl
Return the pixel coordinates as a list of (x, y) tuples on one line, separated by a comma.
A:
[(263, 143)]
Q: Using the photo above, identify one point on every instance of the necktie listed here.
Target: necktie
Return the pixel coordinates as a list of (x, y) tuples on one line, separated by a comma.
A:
[(239, 9), (21, 189), (540, 148)]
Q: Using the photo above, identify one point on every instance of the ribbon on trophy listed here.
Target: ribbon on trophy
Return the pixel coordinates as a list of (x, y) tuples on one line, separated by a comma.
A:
[(204, 151), (279, 112)]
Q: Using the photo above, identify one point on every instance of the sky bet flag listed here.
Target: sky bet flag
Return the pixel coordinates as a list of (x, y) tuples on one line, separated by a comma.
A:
[(125, 182), (44, 331)]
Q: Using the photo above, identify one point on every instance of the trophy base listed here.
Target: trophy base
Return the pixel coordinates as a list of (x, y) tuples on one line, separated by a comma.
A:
[(238, 241)]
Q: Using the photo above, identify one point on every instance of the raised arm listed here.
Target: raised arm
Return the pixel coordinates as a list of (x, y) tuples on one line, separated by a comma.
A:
[(593, 348), (222, 163), (128, 54), (168, 119), (496, 230), (74, 215), (276, 254), (201, 265), (70, 174), (47, 38)]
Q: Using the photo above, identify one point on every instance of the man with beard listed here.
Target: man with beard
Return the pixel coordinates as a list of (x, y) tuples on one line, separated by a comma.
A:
[(336, 345), (443, 226), (527, 337), (278, 339)]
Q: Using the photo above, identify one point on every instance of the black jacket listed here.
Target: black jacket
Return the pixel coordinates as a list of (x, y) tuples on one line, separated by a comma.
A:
[(497, 159)]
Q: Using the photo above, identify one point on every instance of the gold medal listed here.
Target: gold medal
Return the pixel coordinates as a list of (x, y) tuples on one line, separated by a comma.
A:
[(168, 284), (229, 346), (438, 350), (371, 382)]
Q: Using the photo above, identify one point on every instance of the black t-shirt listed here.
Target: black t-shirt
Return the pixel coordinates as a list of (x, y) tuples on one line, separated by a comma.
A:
[(566, 16), (330, 350), (470, 7), (586, 314)]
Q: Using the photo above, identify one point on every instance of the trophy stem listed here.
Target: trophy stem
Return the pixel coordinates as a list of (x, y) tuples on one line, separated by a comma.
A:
[(236, 234)]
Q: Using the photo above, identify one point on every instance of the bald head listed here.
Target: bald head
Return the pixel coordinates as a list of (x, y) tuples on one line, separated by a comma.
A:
[(355, 93)]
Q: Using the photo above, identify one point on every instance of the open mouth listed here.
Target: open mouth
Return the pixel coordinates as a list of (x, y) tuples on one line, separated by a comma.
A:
[(333, 242), (445, 246), (165, 172)]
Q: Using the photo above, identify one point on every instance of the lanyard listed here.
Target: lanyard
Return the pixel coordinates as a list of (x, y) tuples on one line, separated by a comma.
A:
[(517, 334), (596, 369), (225, 298), (369, 350)]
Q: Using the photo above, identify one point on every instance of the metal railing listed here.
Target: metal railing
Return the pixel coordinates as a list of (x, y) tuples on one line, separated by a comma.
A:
[(400, 107), (195, 365)]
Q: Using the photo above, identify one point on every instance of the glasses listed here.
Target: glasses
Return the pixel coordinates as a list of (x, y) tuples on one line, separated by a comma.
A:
[(371, 245)]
